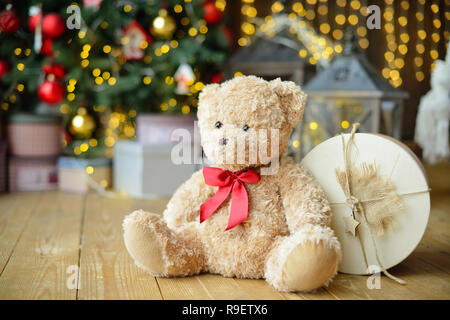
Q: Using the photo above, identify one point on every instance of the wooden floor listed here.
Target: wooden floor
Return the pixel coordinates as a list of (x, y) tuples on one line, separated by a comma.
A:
[(46, 237)]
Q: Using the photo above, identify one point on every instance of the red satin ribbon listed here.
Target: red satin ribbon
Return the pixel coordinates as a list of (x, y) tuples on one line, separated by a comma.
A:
[(227, 182)]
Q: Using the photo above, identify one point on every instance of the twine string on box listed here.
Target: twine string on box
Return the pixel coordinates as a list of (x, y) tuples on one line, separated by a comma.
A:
[(371, 196)]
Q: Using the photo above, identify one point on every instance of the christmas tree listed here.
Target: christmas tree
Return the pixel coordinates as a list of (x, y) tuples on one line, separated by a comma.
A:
[(100, 62)]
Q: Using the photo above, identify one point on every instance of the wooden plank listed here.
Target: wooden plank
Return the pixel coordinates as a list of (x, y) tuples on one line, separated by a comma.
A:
[(46, 250), (15, 211), (106, 269)]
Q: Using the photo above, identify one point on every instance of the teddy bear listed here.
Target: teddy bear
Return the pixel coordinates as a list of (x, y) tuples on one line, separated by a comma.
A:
[(263, 216)]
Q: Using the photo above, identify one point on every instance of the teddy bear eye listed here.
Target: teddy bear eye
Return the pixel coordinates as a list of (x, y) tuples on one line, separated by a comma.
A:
[(245, 128), (218, 124)]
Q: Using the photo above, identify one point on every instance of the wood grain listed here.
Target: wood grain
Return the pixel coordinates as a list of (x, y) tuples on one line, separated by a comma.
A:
[(42, 234), (37, 269), (15, 212), (107, 270)]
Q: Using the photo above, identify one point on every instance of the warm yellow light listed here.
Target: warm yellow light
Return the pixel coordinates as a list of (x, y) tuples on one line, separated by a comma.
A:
[(146, 80), (106, 75), (96, 72), (389, 56), (172, 102), (20, 66), (86, 47), (112, 81), (84, 147), (353, 19), (403, 49), (422, 34), (296, 144), (84, 63), (418, 61), (363, 43), (81, 34), (345, 124), (20, 87), (403, 21), (17, 51), (420, 76), (71, 97), (242, 41), (165, 48), (93, 142), (127, 8), (303, 53), (420, 48), (238, 74), (337, 34), (248, 28), (192, 32), (434, 54), (164, 106), (185, 109), (313, 125), (325, 28), (277, 6), (110, 141), (355, 4), (143, 45), (106, 49), (178, 8)]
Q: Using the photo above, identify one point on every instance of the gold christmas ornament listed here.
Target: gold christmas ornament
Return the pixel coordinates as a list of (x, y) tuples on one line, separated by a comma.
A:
[(163, 25), (82, 125)]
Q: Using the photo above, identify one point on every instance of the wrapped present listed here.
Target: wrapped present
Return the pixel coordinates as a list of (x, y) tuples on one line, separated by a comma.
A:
[(3, 167), (32, 135), (379, 197), (157, 129), (32, 174), (81, 175), (144, 171)]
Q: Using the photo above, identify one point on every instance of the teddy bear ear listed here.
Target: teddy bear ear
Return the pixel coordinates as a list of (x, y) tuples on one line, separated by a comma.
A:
[(293, 99), (209, 91)]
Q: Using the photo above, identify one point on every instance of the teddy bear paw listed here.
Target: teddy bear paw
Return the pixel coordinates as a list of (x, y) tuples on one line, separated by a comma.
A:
[(143, 243), (305, 260), (309, 266)]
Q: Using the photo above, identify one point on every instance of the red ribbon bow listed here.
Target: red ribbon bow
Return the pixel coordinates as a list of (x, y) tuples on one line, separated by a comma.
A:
[(227, 182)]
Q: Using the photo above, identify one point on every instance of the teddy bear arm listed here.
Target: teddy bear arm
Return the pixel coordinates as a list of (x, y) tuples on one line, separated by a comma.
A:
[(303, 199), (184, 206)]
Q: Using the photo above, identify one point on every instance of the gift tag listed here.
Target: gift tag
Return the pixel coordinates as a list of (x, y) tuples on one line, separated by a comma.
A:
[(365, 244)]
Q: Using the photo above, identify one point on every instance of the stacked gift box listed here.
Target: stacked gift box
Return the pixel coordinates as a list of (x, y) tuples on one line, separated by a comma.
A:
[(81, 175), (34, 144), (145, 168)]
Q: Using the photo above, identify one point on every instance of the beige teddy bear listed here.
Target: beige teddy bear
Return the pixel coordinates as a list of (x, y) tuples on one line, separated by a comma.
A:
[(278, 228)]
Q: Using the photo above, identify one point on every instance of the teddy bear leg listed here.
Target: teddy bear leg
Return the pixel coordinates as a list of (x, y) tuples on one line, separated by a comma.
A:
[(159, 250), (304, 260)]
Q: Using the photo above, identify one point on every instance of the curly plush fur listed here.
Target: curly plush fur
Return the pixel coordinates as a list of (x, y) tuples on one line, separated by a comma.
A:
[(286, 238)]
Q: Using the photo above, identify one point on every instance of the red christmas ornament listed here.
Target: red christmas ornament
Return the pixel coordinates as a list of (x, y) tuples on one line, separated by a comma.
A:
[(53, 25), (212, 14), (46, 48), (4, 68), (9, 21), (33, 21), (217, 78), (55, 69), (51, 91)]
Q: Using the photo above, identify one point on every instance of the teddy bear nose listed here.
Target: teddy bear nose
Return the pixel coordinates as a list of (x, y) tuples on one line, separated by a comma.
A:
[(223, 141)]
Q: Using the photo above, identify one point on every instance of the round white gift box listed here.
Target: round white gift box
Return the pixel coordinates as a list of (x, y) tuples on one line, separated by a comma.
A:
[(393, 159)]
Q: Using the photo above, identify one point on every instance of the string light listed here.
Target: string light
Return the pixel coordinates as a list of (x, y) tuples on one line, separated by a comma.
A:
[(249, 11), (421, 34)]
